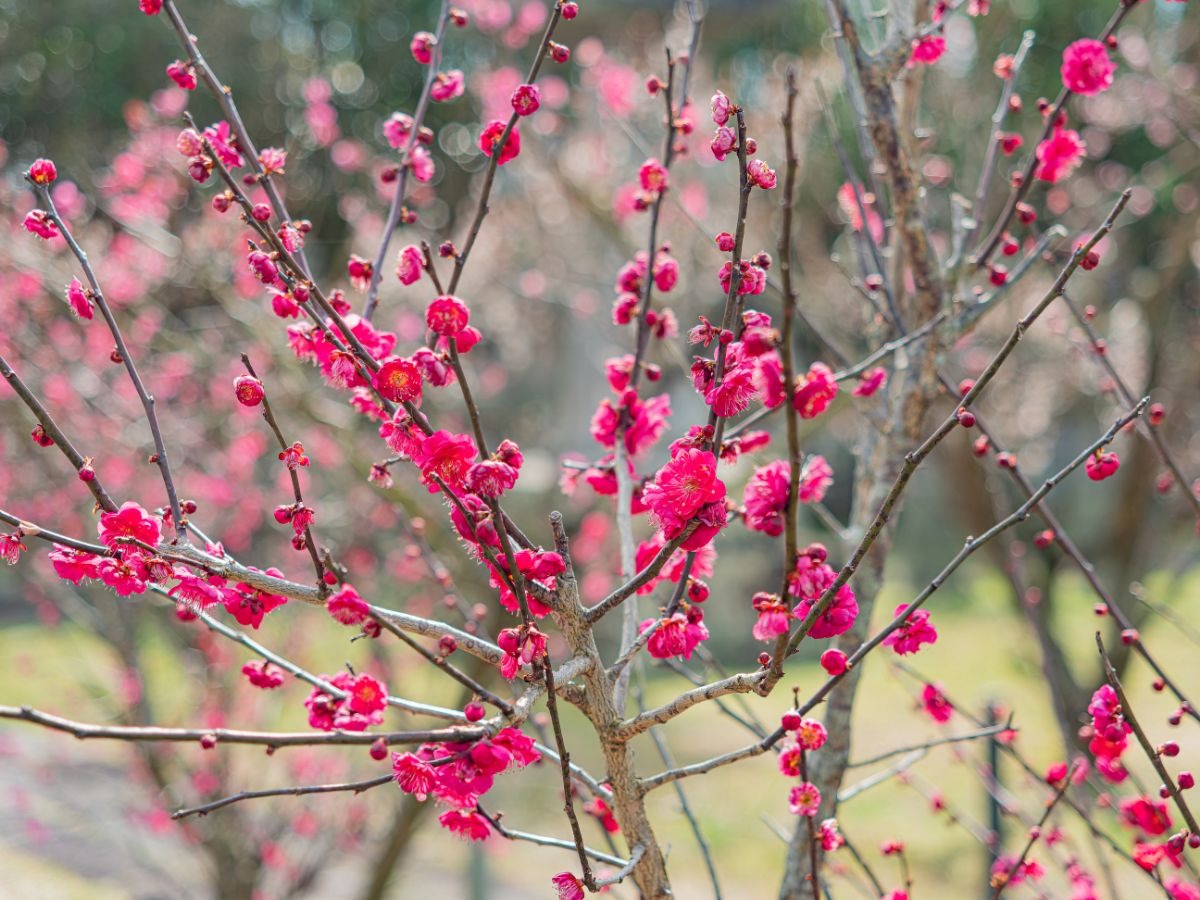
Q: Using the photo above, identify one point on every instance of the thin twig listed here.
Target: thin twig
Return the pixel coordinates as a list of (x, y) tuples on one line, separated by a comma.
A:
[(160, 448), (56, 434), (356, 786), (989, 161), (397, 203), (1001, 880), (481, 210), (453, 671), (513, 835), (936, 742), (142, 733), (310, 542), (1152, 754), (913, 459), (1022, 186), (224, 98), (564, 762), (1126, 395)]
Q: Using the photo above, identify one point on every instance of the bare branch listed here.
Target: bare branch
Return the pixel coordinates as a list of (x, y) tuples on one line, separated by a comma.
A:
[(927, 745), (140, 733), (160, 448), (1001, 880), (397, 204), (916, 457), (1152, 753), (513, 835), (735, 684), (56, 434), (1022, 185), (356, 787)]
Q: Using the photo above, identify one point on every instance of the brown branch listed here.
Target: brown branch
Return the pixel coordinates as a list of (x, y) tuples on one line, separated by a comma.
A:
[(1022, 186), (481, 211), (733, 301), (564, 762), (397, 203), (1152, 754), (453, 671), (989, 161), (52, 537), (355, 786), (1125, 394), (1001, 880), (494, 819), (791, 417), (593, 614), (1065, 543), (309, 541), (56, 434), (664, 754), (224, 98), (294, 272), (642, 334), (913, 459), (971, 545), (1086, 816), (86, 731), (147, 399), (968, 548)]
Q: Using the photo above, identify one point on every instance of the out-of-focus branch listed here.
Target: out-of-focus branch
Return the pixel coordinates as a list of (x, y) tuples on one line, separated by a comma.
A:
[(489, 178), (973, 544), (1068, 546), (1001, 880), (936, 742), (987, 170)]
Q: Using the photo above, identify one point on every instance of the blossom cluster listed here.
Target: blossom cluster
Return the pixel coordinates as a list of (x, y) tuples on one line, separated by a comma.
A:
[(458, 775)]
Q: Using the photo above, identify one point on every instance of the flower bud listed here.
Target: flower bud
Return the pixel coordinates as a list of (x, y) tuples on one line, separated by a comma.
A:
[(833, 661), (248, 390)]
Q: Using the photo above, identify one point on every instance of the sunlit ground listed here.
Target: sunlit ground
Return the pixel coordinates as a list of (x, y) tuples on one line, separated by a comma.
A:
[(984, 653)]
